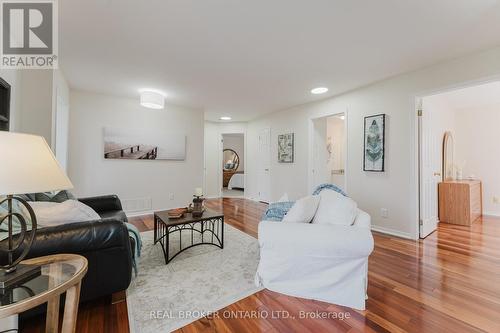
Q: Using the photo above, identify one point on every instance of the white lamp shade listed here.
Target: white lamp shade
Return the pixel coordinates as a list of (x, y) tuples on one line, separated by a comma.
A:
[(27, 165), (152, 99)]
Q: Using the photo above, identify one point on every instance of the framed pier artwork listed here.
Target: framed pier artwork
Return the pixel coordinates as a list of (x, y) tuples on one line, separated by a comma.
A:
[(137, 144)]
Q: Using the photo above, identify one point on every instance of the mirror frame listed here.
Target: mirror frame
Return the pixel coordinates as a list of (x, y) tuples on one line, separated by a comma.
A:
[(447, 142), (237, 163)]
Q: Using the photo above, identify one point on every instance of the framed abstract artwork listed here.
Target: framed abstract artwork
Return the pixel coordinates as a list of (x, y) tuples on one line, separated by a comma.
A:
[(374, 143), (285, 148)]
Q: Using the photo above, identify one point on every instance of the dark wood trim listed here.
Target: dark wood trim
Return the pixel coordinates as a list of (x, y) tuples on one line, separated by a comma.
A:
[(5, 108)]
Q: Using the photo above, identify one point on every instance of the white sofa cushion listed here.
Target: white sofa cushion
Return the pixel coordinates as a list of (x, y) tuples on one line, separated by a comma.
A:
[(303, 210), (334, 208), (53, 213)]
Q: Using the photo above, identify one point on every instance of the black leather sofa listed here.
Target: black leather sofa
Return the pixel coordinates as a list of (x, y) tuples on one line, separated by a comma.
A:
[(105, 243)]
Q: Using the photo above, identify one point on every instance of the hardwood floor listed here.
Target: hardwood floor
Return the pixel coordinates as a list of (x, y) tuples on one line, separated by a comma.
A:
[(449, 282)]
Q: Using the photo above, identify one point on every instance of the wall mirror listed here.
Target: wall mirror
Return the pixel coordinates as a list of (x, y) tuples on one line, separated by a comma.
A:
[(231, 160), (448, 156)]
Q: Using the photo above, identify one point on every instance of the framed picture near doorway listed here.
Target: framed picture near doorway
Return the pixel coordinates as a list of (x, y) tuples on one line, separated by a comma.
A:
[(374, 143), (285, 148)]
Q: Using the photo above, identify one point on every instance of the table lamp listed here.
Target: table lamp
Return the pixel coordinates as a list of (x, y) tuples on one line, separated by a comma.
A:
[(27, 165)]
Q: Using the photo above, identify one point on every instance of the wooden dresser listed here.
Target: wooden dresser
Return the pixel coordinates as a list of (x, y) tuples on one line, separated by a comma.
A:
[(226, 176), (460, 201)]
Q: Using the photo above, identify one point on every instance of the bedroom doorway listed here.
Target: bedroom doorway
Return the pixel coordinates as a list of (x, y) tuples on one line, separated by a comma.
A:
[(233, 165)]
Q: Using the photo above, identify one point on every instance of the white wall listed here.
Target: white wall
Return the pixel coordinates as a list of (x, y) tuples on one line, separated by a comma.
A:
[(477, 141), (235, 142), (132, 179), (60, 115), (395, 189), (213, 154), (36, 108), (212, 164)]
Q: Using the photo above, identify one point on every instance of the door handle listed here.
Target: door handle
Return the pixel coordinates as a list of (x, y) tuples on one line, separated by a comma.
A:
[(266, 169), (437, 173)]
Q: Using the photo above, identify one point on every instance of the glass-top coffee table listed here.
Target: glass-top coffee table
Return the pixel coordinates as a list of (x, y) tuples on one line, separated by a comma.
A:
[(60, 273), (192, 231)]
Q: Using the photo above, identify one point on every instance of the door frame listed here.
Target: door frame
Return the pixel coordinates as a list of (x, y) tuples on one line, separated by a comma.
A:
[(268, 128), (310, 167), (221, 156), (416, 102)]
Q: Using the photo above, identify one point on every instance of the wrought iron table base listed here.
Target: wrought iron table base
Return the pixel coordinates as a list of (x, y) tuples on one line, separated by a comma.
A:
[(212, 229)]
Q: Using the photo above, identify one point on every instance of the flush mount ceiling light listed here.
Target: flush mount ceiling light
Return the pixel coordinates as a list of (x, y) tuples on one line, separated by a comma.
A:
[(319, 90), (152, 99), (225, 118)]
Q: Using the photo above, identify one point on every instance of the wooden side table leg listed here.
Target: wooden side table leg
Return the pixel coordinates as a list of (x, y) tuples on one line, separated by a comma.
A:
[(52, 321), (71, 309)]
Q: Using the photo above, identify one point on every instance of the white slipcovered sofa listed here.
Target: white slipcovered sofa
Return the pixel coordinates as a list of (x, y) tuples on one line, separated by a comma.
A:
[(316, 261)]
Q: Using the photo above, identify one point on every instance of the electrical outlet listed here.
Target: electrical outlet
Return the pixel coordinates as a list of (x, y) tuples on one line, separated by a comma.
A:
[(496, 199), (384, 213), (171, 196)]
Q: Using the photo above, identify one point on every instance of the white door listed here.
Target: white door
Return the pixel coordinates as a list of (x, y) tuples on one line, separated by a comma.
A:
[(430, 172), (320, 171), (264, 164)]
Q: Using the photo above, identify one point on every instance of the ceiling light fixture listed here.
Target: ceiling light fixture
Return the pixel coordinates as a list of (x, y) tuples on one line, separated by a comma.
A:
[(319, 90), (152, 99), (225, 118)]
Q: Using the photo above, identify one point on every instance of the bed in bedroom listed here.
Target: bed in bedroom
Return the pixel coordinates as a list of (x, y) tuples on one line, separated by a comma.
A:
[(237, 181)]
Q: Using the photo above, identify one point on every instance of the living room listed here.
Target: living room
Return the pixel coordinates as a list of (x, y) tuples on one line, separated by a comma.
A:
[(189, 192)]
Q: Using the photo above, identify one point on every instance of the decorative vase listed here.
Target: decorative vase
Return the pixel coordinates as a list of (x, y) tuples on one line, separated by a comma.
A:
[(198, 206)]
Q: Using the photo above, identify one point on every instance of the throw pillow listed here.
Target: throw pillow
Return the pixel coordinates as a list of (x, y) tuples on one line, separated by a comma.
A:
[(303, 210), (334, 208), (277, 210), (43, 196), (54, 213), (63, 196)]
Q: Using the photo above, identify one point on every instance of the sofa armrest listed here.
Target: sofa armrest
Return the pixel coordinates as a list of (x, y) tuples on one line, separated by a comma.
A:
[(103, 203), (77, 238), (305, 239), (363, 220)]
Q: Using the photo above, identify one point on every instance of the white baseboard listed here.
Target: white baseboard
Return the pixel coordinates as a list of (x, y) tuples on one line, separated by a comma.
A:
[(491, 214), (392, 232), (146, 212)]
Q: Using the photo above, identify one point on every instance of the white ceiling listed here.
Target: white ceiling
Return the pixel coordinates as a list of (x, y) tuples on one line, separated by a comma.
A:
[(483, 95), (246, 58)]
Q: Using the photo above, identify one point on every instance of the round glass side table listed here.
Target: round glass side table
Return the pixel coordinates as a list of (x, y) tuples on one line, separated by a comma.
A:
[(60, 273)]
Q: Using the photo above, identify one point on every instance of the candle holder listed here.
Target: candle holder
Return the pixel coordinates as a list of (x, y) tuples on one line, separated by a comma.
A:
[(198, 206)]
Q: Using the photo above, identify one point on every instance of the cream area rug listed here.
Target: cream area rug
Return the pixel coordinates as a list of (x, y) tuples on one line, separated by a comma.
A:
[(203, 279)]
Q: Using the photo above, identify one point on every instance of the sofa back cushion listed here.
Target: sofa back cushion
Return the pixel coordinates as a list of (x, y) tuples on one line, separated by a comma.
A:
[(303, 210), (335, 208)]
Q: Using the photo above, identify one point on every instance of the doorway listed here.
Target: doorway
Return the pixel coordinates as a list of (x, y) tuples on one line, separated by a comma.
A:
[(233, 165), (458, 175), (328, 163)]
